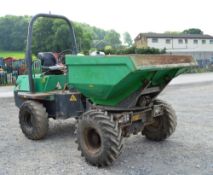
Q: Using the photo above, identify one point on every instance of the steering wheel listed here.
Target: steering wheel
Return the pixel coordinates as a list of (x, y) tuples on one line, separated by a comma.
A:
[(61, 55)]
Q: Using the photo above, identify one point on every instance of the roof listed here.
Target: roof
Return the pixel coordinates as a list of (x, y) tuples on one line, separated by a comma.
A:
[(169, 35)]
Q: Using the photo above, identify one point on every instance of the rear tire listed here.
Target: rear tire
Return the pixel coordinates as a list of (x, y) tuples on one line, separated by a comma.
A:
[(99, 138), (33, 120), (163, 126)]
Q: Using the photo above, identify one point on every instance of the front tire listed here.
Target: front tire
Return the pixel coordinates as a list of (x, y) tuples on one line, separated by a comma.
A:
[(99, 138), (33, 120), (164, 125)]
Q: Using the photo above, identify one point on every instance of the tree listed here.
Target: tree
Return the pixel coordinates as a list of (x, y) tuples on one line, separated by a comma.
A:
[(172, 32), (98, 34), (62, 37), (113, 38), (84, 36), (127, 39), (13, 31), (52, 35), (43, 36), (193, 31)]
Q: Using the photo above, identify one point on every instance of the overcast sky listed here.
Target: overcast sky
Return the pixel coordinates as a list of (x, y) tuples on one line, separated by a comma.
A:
[(134, 16)]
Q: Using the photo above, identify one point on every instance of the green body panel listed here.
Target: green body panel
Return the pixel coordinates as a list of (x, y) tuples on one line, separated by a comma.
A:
[(109, 80), (42, 83)]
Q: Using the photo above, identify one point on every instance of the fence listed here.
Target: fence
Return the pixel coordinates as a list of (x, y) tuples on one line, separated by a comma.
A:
[(205, 63)]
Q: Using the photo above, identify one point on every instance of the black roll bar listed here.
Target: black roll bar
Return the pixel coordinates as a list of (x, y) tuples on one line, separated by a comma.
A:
[(28, 54)]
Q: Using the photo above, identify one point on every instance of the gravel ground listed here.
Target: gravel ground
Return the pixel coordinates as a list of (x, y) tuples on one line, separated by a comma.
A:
[(189, 151)]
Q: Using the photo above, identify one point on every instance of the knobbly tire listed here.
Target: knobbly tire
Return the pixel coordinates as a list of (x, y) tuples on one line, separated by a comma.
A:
[(33, 120), (163, 125), (99, 138)]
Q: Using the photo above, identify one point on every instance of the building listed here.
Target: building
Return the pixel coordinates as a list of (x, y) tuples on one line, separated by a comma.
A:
[(198, 45)]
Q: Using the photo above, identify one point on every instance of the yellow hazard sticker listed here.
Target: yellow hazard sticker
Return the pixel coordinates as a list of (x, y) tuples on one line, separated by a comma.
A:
[(73, 98)]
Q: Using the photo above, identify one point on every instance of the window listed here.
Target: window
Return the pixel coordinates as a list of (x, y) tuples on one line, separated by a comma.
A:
[(186, 41), (168, 41), (211, 41), (203, 41), (180, 41), (195, 41), (154, 40)]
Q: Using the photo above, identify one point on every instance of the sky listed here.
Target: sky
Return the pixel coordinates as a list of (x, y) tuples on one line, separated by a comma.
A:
[(133, 16)]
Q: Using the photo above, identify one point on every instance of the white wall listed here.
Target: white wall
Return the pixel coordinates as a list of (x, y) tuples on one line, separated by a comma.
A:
[(175, 46)]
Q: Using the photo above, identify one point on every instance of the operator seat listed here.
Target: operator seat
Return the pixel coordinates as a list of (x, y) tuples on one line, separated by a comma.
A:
[(49, 64)]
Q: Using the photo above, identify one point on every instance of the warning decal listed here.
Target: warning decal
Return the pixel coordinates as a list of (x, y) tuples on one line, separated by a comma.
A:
[(73, 98)]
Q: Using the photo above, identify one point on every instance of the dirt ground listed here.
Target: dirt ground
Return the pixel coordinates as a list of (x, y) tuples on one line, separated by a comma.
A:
[(189, 151)]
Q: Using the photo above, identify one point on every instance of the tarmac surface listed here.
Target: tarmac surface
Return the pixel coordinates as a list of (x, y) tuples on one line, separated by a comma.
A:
[(189, 151)]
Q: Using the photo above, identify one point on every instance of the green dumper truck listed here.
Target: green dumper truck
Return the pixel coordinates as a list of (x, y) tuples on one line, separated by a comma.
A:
[(111, 97)]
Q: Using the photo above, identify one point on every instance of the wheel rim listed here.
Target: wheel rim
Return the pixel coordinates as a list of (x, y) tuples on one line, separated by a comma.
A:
[(92, 140), (157, 124), (28, 120)]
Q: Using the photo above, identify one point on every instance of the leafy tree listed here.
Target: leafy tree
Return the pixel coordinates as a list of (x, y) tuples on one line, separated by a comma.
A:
[(42, 35), (84, 36), (87, 39), (98, 34), (113, 38), (172, 32), (62, 37), (79, 34), (193, 31), (13, 31), (127, 39), (52, 35)]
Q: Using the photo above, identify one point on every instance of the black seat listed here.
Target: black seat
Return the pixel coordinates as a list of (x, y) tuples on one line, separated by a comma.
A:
[(47, 59), (49, 63)]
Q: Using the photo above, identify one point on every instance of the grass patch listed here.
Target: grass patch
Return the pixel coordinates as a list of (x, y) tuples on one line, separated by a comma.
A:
[(14, 54)]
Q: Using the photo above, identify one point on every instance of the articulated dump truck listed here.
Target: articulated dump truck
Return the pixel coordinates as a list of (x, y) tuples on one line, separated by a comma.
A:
[(111, 97)]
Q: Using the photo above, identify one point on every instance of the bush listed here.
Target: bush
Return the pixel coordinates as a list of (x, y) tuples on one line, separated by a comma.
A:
[(200, 70), (133, 50)]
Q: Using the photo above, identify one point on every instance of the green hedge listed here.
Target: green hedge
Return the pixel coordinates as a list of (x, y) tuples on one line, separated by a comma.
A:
[(133, 50)]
